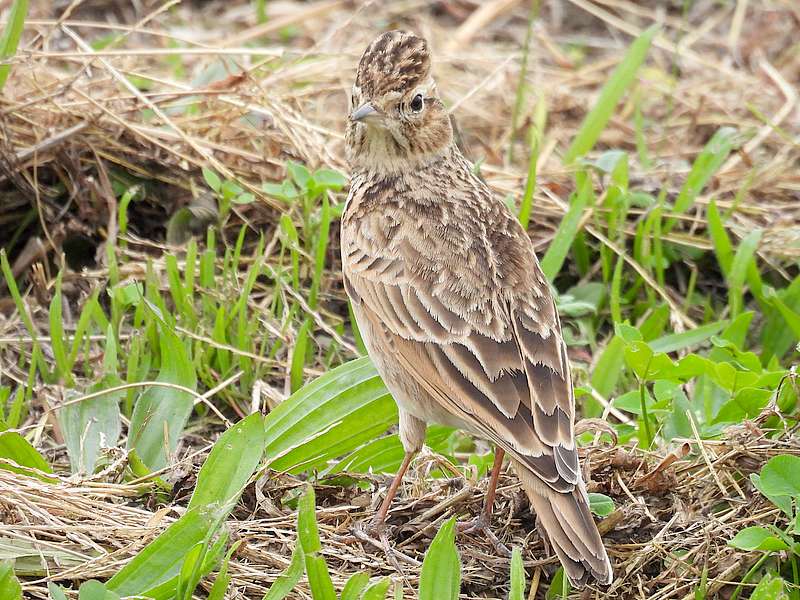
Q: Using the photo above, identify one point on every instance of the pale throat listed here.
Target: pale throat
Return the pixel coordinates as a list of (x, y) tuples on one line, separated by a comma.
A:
[(377, 149)]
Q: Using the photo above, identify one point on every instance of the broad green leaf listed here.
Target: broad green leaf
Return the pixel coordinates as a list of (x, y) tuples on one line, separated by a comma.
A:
[(559, 586), (328, 417), (758, 538), (746, 404), (781, 476), (731, 379), (771, 587), (289, 578), (189, 577), (628, 332), (440, 578), (11, 37), (56, 592), (782, 501), (355, 586), (377, 590), (736, 331), (299, 174), (687, 339), (161, 560), (385, 454), (94, 590), (92, 424), (160, 411), (198, 563), (631, 402), (15, 447), (283, 191), (648, 365), (616, 85), (600, 504), (10, 588), (608, 369), (34, 560), (230, 464), (212, 179), (517, 591), (329, 179)]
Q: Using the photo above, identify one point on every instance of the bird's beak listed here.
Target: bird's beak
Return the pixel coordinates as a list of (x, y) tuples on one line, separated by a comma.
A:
[(365, 113)]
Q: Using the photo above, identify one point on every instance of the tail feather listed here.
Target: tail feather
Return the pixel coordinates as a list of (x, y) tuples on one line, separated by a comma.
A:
[(570, 529)]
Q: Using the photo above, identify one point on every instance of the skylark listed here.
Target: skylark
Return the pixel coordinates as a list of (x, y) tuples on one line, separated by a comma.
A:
[(451, 302)]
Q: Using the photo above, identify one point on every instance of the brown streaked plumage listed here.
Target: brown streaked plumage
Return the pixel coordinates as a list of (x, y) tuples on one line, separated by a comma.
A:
[(449, 297)]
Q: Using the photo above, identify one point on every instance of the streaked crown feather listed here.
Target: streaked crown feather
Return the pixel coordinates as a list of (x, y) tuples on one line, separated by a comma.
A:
[(395, 61)]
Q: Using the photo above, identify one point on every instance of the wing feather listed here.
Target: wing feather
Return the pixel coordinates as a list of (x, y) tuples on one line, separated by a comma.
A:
[(475, 327)]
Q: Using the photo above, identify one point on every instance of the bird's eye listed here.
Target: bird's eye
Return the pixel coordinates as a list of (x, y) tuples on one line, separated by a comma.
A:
[(416, 103)]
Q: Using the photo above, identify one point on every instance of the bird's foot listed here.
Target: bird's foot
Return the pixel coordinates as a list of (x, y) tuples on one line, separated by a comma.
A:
[(481, 524), (376, 535)]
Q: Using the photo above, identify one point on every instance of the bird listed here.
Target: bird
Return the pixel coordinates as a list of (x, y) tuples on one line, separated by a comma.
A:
[(451, 303)]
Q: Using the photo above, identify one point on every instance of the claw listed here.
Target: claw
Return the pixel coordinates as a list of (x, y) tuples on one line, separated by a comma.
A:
[(480, 524)]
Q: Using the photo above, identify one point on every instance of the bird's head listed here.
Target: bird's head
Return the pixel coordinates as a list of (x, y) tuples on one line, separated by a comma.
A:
[(396, 118)]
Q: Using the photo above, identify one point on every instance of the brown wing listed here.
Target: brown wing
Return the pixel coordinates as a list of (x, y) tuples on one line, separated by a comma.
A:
[(458, 293)]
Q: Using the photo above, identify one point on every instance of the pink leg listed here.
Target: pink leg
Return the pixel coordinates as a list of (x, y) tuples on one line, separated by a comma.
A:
[(380, 518)]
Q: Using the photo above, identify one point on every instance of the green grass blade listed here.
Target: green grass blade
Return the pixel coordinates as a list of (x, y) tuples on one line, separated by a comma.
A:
[(319, 578), (320, 252), (289, 578), (791, 317), (567, 229), (11, 37), (517, 591), (440, 578), (745, 255), (299, 354), (719, 237), (536, 133), (37, 359), (705, 165), (619, 81), (63, 364), (307, 530)]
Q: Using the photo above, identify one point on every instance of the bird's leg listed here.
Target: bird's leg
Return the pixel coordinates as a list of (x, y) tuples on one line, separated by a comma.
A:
[(379, 522), (481, 522)]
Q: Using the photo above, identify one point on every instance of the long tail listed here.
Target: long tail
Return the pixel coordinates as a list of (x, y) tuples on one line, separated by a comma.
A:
[(570, 529)]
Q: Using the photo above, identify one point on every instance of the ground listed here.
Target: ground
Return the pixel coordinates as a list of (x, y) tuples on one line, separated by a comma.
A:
[(131, 130)]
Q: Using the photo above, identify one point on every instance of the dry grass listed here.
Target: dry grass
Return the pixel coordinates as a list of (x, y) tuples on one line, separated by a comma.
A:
[(672, 515), (69, 114)]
